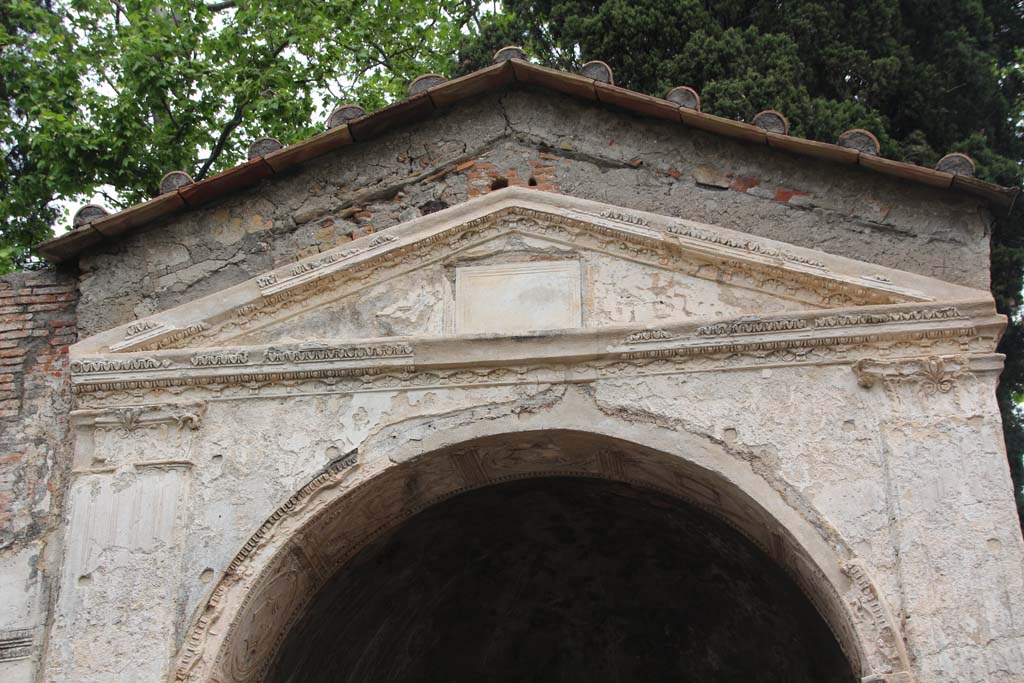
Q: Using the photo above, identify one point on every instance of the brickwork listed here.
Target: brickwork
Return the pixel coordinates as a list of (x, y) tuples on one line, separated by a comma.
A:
[(37, 323)]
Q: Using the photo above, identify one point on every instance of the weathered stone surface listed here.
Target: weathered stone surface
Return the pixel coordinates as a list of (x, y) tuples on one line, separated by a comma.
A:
[(599, 71), (509, 52), (344, 113), (864, 141), (684, 96), (87, 214), (811, 204), (37, 322), (772, 121), (425, 82), (263, 146), (266, 388), (173, 180), (957, 163)]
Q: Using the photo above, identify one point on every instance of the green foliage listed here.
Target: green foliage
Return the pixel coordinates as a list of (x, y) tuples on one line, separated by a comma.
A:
[(101, 93), (926, 76)]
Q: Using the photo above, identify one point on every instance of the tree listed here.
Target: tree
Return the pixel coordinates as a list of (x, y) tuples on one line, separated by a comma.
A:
[(926, 76), (115, 93)]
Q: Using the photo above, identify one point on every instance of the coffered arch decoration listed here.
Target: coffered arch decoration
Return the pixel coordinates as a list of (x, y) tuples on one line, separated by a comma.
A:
[(236, 632)]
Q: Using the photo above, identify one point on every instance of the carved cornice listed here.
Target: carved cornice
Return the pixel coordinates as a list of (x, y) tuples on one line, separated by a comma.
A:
[(822, 337)]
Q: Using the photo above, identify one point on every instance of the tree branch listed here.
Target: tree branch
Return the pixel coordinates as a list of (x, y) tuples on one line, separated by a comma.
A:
[(222, 140)]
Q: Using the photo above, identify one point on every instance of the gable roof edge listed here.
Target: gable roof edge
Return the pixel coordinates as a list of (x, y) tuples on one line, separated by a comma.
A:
[(67, 247)]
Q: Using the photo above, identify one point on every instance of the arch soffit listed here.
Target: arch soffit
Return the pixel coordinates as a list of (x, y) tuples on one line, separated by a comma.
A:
[(371, 490)]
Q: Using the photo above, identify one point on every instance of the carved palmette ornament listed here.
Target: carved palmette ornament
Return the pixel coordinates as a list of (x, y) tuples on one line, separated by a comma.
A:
[(931, 376)]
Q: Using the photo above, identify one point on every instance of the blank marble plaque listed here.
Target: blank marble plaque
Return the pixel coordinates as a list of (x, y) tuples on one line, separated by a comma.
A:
[(517, 297)]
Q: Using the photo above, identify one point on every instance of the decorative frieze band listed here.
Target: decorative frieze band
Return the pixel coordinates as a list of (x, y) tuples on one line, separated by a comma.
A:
[(118, 365), (331, 353), (827, 322), (791, 343), (852, 319), (751, 327), (220, 358), (749, 246), (648, 336)]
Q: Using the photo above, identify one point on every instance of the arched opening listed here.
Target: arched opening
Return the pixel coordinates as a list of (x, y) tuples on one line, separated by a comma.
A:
[(297, 579), (560, 579)]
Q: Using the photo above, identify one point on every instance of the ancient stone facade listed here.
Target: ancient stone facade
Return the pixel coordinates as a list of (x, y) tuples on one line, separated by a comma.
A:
[(525, 286)]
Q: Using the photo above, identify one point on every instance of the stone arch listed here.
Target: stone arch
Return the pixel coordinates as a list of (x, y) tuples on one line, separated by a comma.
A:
[(391, 477)]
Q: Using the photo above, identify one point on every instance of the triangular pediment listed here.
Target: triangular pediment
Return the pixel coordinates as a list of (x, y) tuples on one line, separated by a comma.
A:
[(521, 263)]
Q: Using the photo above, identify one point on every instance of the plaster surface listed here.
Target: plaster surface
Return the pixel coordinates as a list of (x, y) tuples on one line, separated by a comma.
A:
[(234, 454), (267, 388)]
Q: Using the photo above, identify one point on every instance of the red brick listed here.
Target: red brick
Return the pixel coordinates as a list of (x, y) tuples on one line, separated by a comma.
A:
[(47, 307), (44, 298), (17, 334), (744, 183), (550, 157), (15, 325), (53, 289)]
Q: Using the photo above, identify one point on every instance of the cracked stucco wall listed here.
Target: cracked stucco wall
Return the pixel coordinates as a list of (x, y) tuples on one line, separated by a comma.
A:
[(553, 143), (844, 458)]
